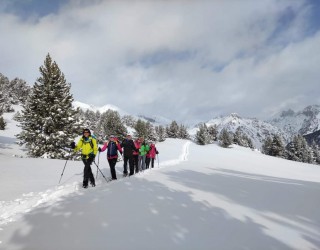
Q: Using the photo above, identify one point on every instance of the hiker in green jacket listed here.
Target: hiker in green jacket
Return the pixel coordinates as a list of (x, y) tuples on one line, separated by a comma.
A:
[(142, 154)]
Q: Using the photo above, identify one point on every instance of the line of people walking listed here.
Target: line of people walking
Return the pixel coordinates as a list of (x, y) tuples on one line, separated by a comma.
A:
[(137, 154)]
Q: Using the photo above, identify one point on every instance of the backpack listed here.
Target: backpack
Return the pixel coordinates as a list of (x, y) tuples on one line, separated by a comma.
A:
[(91, 143)]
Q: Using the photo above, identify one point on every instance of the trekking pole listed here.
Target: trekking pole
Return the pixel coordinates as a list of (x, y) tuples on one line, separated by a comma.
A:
[(100, 171), (64, 166), (98, 165)]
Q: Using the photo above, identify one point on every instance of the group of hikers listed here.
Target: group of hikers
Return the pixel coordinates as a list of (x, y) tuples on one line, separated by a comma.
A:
[(138, 153)]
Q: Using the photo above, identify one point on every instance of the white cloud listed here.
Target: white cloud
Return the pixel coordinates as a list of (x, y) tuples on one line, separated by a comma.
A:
[(217, 56)]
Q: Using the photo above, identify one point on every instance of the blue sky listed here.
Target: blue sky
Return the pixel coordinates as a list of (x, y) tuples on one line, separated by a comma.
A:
[(185, 60), (28, 8)]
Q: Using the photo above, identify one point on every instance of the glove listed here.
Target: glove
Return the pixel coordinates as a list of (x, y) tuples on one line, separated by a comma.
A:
[(92, 156), (157, 152), (73, 145), (99, 149)]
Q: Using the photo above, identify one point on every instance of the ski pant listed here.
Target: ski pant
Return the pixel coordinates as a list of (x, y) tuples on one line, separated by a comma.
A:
[(112, 164), (148, 162), (131, 164), (136, 163), (87, 172), (142, 162)]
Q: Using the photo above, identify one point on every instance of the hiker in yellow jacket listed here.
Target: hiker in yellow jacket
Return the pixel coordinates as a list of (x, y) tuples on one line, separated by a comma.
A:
[(88, 146)]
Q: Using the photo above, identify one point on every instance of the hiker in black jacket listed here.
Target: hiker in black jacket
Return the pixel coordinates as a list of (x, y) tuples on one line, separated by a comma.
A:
[(128, 149)]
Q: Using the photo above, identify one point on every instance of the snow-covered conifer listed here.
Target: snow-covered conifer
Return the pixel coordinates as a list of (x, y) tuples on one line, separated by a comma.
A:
[(277, 148), (2, 123), (48, 120), (213, 133), (19, 91), (140, 129), (299, 150), (202, 136), (183, 132), (266, 146), (150, 132), (238, 137), (160, 133), (315, 152), (5, 96), (225, 138), (172, 130), (145, 130), (128, 120), (241, 139), (111, 124)]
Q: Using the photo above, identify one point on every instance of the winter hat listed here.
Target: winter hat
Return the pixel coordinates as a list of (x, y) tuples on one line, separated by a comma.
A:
[(86, 130)]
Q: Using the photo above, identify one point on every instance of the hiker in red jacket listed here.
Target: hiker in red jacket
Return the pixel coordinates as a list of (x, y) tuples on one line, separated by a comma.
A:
[(137, 144), (151, 155)]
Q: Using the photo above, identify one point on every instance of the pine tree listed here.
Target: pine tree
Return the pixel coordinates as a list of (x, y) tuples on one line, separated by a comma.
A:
[(128, 120), (266, 146), (150, 132), (2, 101), (2, 123), (183, 132), (12, 92), (172, 130), (277, 147), (299, 150), (202, 136), (19, 91), (213, 133), (111, 124), (238, 137), (140, 129), (5, 95), (91, 119), (48, 120), (241, 139), (249, 143), (160, 133), (315, 152), (225, 138)]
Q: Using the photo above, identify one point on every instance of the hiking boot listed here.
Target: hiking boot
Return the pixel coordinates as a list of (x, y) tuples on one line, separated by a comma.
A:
[(93, 184), (85, 186)]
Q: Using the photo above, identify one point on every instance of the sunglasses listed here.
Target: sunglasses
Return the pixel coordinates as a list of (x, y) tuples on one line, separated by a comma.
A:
[(86, 132)]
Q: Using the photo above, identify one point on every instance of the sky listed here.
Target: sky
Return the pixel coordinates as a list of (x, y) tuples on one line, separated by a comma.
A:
[(235, 199), (187, 60)]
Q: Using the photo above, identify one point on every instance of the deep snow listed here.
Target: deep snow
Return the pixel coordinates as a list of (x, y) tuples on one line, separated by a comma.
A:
[(199, 197)]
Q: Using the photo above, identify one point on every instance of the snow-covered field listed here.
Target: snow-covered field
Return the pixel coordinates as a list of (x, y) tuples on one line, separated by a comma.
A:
[(199, 197)]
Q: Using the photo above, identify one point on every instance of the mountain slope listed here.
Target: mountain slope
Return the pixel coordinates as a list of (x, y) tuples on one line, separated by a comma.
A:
[(255, 129), (302, 122)]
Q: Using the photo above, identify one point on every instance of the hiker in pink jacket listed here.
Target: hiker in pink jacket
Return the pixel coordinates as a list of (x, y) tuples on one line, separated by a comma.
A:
[(137, 144), (151, 155)]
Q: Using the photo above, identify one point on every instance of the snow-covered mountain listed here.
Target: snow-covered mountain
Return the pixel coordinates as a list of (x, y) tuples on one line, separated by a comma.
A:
[(155, 119), (255, 129), (302, 122), (313, 137), (102, 109)]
